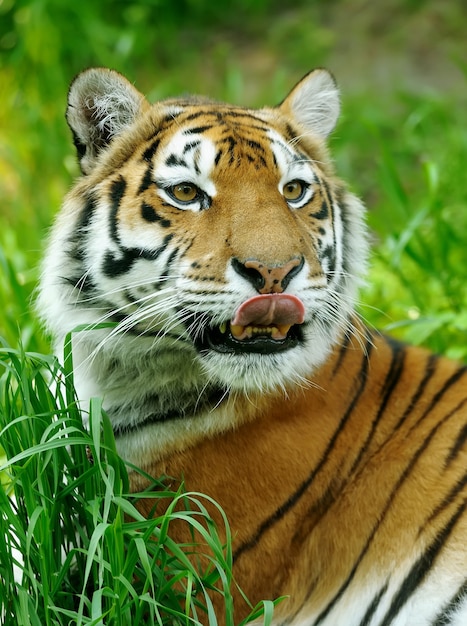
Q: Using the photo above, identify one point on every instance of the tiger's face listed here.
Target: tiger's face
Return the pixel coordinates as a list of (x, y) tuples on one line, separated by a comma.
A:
[(215, 238)]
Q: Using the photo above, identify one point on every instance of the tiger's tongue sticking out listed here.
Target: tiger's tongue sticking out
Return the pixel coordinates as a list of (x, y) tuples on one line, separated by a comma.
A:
[(269, 315)]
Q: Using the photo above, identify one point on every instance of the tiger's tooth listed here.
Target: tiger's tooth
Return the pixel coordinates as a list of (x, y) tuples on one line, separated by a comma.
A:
[(237, 330), (223, 327), (284, 328)]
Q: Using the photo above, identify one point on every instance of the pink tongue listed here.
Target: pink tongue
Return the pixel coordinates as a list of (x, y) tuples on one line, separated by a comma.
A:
[(270, 309)]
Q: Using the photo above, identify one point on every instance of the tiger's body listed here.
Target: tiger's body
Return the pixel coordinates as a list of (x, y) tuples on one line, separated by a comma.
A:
[(220, 243)]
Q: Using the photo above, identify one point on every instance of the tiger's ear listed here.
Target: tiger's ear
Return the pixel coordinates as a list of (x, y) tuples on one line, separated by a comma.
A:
[(101, 104), (314, 103)]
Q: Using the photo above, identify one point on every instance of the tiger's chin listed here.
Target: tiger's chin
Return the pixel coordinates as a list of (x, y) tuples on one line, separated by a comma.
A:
[(260, 364)]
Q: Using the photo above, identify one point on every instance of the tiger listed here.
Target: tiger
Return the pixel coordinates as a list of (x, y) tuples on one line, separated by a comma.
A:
[(214, 259)]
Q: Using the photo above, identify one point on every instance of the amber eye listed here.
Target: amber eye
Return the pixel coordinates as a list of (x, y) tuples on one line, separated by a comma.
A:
[(293, 190), (184, 192)]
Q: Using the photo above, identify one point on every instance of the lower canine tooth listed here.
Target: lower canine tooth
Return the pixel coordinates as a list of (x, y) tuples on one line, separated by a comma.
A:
[(223, 327)]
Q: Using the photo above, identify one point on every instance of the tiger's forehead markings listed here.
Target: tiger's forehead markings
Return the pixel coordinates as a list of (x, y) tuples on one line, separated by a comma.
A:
[(201, 139)]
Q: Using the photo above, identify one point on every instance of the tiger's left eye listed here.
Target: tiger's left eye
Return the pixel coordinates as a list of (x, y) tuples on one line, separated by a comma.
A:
[(184, 192), (293, 190)]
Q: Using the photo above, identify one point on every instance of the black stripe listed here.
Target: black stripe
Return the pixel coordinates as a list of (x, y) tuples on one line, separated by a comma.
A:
[(191, 146), (84, 285), (392, 378), (117, 191), (452, 380), (150, 214), (198, 130), (447, 500), (421, 568), (116, 264), (458, 445), (429, 371), (78, 241), (175, 160), (165, 272), (342, 352), (290, 132), (456, 601), (148, 154), (373, 606), (147, 180), (284, 508), (323, 212), (329, 252), (189, 405), (255, 145)]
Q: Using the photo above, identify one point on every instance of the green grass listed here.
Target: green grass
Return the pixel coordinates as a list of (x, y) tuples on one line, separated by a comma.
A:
[(73, 547), (88, 556)]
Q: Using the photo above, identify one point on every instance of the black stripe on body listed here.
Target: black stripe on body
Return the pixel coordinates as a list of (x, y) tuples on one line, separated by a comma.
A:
[(442, 619), (342, 352), (393, 375), (450, 497), (373, 606), (457, 445), (420, 568), (430, 369), (452, 380), (294, 498)]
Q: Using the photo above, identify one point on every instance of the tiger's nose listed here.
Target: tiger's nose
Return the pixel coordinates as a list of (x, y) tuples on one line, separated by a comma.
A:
[(268, 278)]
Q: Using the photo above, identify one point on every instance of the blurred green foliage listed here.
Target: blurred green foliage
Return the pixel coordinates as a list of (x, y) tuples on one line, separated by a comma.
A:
[(399, 145)]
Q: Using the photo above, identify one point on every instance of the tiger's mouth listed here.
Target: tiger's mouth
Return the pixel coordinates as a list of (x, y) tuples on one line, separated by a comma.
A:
[(264, 324), (259, 339)]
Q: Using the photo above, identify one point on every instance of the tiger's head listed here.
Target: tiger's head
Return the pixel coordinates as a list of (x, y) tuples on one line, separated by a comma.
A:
[(215, 239)]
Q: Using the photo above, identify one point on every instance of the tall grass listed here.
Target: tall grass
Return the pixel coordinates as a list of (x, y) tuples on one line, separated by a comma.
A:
[(73, 547)]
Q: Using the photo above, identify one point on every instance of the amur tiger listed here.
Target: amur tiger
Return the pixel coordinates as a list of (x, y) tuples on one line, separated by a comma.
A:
[(228, 255)]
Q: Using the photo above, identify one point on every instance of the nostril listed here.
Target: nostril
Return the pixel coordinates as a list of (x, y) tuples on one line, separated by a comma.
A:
[(268, 278), (252, 274)]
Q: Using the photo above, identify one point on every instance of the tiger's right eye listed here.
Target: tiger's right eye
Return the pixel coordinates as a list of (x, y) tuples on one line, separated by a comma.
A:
[(184, 192)]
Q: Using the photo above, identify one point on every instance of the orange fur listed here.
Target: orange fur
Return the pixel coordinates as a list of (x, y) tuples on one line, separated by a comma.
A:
[(328, 448)]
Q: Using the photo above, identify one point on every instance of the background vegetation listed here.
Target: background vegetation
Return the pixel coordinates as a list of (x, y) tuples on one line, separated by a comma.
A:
[(401, 144)]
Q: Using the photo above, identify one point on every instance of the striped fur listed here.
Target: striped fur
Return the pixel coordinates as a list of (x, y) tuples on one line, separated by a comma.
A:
[(338, 454)]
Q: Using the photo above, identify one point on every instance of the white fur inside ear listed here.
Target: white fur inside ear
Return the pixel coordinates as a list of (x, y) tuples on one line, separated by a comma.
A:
[(314, 103), (101, 104)]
